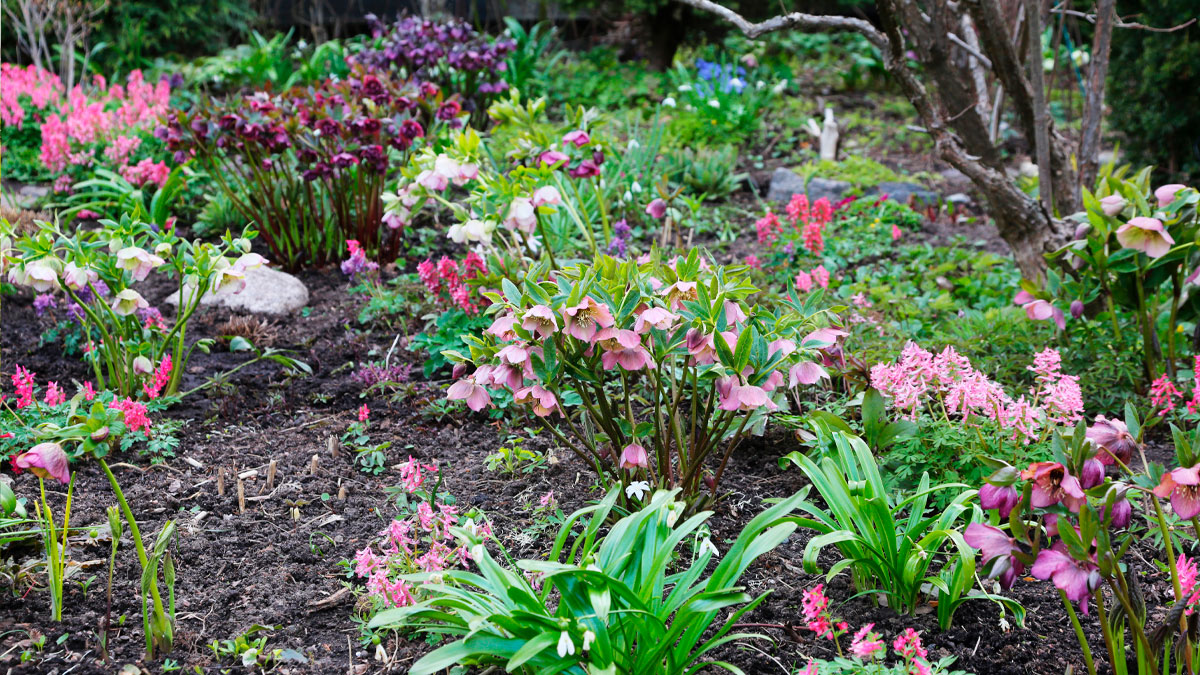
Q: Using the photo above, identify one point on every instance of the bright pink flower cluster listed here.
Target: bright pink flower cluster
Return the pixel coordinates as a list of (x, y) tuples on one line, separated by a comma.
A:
[(90, 117), (818, 276), (421, 542), (768, 228), (159, 379), (1188, 574), (147, 171), (23, 381), (54, 396), (1163, 394), (811, 220), (866, 645), (136, 416), (446, 276), (919, 375)]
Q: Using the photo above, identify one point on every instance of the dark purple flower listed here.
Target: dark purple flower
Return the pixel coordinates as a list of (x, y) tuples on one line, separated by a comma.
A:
[(586, 169), (343, 160)]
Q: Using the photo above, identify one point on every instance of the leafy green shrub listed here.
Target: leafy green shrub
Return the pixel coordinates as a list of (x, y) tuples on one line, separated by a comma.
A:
[(705, 171), (617, 609), (887, 541), (1158, 77)]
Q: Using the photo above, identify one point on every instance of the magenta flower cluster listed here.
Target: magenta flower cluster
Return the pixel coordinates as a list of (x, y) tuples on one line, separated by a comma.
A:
[(866, 645), (921, 378)]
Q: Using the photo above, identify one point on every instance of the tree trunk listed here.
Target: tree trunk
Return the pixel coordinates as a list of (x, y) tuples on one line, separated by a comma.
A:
[(664, 33)]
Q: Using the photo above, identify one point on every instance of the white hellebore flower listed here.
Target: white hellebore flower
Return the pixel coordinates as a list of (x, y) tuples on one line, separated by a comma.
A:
[(669, 101), (41, 276), (565, 646), (76, 277), (472, 230), (137, 261), (521, 215), (636, 489), (127, 302), (707, 545), (142, 366)]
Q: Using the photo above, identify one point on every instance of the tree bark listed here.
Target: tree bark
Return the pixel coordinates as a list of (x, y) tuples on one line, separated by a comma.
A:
[(665, 32), (1089, 142)]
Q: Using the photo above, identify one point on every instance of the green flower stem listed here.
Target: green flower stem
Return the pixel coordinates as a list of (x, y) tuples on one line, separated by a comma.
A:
[(159, 614), (1083, 643)]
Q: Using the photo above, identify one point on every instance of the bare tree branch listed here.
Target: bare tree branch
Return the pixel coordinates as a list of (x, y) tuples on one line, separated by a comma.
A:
[(1089, 141), (1119, 23), (808, 22)]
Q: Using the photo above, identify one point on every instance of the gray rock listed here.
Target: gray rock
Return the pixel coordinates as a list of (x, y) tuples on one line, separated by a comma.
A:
[(34, 191), (955, 176), (785, 183), (959, 199), (267, 291), (901, 192)]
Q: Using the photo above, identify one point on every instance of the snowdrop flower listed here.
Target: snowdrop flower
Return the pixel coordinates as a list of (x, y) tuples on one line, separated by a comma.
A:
[(627, 197), (637, 489), (737, 84), (635, 188), (669, 102), (565, 646), (673, 513), (710, 547), (588, 638), (633, 142), (685, 87), (760, 84), (714, 103), (780, 86)]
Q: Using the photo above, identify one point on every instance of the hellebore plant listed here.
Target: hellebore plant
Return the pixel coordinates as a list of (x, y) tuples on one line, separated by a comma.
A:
[(47, 460), (1135, 249), (132, 349), (653, 368), (95, 432), (1066, 522), (308, 167)]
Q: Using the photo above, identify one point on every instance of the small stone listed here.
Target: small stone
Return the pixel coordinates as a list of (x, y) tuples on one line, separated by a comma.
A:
[(33, 191), (786, 183), (904, 192), (959, 199), (267, 291)]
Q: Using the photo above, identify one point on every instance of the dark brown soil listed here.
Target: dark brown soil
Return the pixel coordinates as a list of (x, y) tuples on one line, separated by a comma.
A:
[(267, 566)]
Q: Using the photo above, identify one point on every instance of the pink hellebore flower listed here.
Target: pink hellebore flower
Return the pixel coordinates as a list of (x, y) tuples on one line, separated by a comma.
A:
[(432, 180), (1052, 484), (995, 544), (1091, 473), (45, 460), (633, 456), (547, 196), (1042, 310), (521, 215), (502, 327), (806, 372), (743, 397), (1183, 487), (540, 321), (1003, 498), (543, 400), (657, 209), (1166, 194), (654, 317), (137, 261), (579, 137), (680, 292), (1076, 579), (477, 397), (1112, 206), (1113, 439), (583, 320), (701, 346), (733, 313), (624, 348), (552, 157), (1147, 235), (76, 278)]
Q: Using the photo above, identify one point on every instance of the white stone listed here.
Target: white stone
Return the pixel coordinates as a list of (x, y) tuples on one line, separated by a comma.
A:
[(267, 291)]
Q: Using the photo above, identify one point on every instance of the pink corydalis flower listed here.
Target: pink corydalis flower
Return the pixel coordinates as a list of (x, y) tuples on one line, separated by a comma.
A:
[(583, 320), (804, 282), (540, 321), (1182, 485), (54, 395), (1076, 579), (89, 392), (1146, 235), (896, 234), (45, 460), (866, 644), (364, 413), (908, 645), (634, 456), (477, 397)]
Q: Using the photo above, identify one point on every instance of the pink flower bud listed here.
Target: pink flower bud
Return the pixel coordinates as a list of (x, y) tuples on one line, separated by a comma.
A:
[(45, 460), (1092, 473), (1076, 309)]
